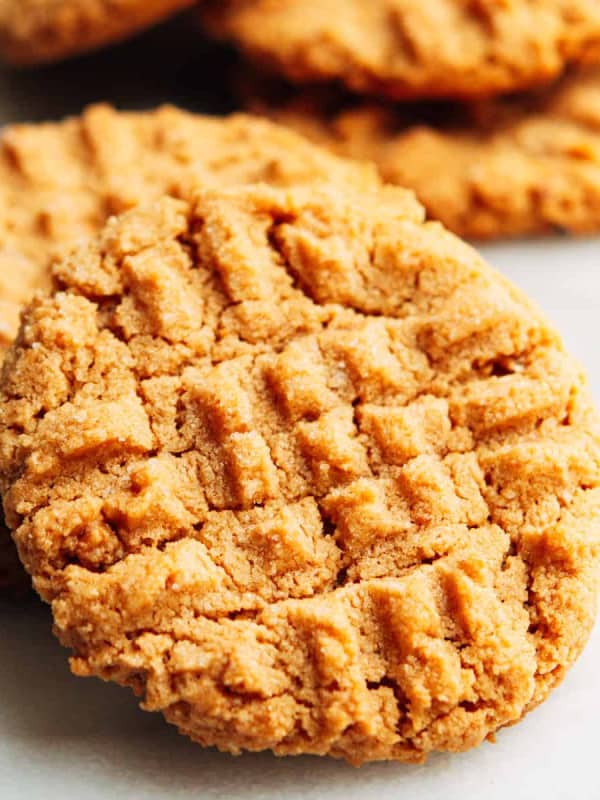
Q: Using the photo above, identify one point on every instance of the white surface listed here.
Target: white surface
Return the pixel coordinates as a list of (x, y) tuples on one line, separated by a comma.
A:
[(62, 737)]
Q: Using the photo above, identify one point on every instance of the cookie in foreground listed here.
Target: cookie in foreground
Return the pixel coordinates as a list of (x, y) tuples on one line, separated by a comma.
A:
[(510, 166), (304, 473), (60, 181), (409, 49)]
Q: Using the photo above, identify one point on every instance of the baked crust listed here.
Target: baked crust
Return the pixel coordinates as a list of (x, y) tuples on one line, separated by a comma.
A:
[(410, 49), (513, 166), (305, 473)]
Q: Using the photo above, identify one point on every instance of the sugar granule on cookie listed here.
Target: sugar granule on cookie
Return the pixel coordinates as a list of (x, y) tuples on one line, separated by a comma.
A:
[(304, 473), (512, 166), (410, 49), (39, 31)]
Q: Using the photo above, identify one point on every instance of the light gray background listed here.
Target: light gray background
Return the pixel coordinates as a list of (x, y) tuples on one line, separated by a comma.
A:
[(62, 737)]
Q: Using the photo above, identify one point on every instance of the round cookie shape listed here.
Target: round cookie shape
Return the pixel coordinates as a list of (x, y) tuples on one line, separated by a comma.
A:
[(513, 166), (305, 473), (40, 31), (408, 49), (60, 181)]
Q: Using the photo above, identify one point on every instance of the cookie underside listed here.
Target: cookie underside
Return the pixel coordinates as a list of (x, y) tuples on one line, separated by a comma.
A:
[(59, 182)]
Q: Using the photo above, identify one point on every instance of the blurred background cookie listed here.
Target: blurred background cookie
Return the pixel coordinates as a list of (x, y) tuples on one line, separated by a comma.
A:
[(409, 48), (37, 31), (507, 166), (60, 181)]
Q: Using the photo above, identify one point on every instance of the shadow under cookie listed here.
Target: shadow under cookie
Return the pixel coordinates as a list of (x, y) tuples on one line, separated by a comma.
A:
[(402, 49)]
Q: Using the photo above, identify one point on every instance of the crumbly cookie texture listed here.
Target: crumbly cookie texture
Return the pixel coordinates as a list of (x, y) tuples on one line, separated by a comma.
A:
[(60, 181), (406, 48), (526, 164), (37, 31), (305, 473)]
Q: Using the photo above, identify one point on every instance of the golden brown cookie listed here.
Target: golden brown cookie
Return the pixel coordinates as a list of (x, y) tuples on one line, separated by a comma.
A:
[(60, 181), (37, 31), (305, 473), (411, 49), (526, 164)]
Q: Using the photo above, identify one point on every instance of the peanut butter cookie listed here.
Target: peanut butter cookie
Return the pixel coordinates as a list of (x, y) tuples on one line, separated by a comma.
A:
[(411, 49), (60, 181), (305, 473), (525, 164), (37, 31)]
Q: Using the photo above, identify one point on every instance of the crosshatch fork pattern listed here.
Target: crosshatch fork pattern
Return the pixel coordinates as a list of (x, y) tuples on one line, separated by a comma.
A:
[(305, 473), (403, 49), (60, 181), (510, 166)]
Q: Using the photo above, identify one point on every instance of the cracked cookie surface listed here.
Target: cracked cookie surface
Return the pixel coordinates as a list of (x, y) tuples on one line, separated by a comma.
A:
[(60, 181), (510, 166), (305, 473), (38, 31), (409, 49)]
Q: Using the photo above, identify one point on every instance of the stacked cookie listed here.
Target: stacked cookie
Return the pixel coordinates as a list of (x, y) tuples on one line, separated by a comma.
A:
[(286, 459), (524, 163), (515, 148)]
